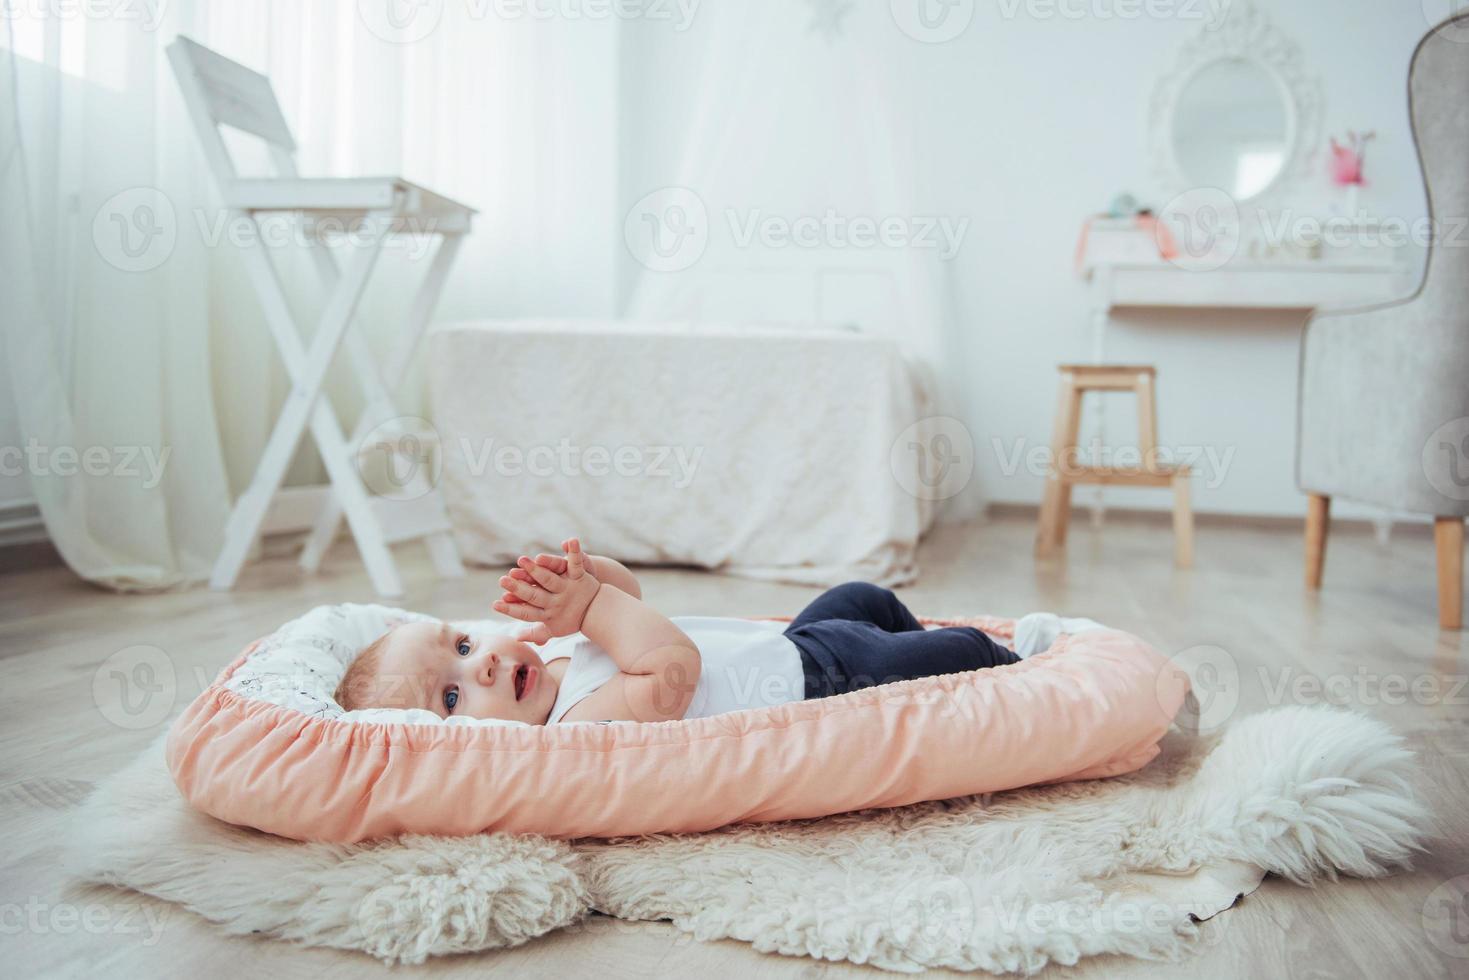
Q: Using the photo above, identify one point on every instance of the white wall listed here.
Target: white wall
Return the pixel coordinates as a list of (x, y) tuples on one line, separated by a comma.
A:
[(1025, 125)]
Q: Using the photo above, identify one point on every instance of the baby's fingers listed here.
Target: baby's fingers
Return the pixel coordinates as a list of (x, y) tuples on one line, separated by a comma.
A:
[(546, 578), (555, 563), (527, 592), (576, 564), (522, 611)]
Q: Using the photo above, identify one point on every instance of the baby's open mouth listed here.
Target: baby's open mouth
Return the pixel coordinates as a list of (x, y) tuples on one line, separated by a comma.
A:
[(522, 680)]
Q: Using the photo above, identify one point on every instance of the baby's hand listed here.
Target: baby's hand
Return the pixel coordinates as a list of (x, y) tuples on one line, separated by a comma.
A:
[(554, 602), (556, 563)]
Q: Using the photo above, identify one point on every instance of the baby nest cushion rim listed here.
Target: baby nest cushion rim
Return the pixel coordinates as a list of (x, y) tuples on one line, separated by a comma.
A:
[(1093, 705)]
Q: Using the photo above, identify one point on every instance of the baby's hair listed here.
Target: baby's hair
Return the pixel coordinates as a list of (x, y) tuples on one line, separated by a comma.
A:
[(360, 680)]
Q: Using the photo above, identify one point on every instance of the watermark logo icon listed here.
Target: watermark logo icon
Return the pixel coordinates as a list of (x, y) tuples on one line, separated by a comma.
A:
[(135, 230), (1202, 226), (399, 458), (932, 21), (1436, 12), (135, 687), (1215, 678), (1445, 459), (933, 914), (933, 459), (1446, 917), (400, 21), (667, 230)]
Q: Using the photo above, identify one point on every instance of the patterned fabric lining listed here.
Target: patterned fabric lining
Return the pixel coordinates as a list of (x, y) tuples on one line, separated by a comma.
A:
[(299, 665)]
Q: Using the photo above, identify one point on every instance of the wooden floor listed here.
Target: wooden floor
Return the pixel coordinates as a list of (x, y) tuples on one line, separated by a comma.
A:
[(1370, 634)]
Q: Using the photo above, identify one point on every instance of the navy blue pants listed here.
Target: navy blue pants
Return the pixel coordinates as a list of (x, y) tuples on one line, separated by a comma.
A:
[(859, 635)]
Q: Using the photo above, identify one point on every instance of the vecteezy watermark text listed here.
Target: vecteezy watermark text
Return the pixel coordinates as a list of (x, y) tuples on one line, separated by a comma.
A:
[(137, 230), (409, 21), (937, 21), (125, 462), (146, 14), (95, 918), (676, 463), (1362, 230), (1220, 685), (1209, 462), (1362, 688), (412, 455), (833, 230), (1203, 228), (669, 229), (1209, 10)]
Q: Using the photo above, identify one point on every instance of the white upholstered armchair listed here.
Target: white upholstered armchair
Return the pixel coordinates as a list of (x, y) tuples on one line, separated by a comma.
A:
[(1383, 416)]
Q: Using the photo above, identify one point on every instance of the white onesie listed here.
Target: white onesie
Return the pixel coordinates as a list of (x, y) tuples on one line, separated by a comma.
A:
[(745, 664)]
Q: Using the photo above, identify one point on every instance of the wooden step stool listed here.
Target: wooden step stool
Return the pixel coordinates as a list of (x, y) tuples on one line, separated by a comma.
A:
[(1067, 471)]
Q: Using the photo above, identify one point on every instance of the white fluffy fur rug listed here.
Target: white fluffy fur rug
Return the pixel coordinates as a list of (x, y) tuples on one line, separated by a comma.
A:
[(1007, 882)]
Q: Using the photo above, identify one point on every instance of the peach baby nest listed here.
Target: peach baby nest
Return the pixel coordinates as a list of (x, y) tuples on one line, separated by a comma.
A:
[(266, 747)]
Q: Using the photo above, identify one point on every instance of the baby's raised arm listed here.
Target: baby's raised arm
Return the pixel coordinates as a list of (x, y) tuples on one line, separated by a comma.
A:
[(658, 663), (610, 571)]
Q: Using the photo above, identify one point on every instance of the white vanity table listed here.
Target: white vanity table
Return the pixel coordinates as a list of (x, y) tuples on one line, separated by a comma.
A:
[(1282, 285), (1234, 134), (1241, 285), (1302, 285)]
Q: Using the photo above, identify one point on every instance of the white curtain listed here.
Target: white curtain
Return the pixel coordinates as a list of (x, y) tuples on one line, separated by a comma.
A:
[(144, 381), (789, 113), (104, 324)]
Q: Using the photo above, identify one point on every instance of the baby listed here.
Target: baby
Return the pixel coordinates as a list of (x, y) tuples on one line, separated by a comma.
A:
[(608, 656)]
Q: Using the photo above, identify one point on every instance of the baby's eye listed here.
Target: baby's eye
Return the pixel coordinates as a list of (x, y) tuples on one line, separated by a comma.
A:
[(463, 647), (451, 698)]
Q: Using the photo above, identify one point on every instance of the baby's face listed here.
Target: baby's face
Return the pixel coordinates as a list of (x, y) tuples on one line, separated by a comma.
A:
[(441, 669)]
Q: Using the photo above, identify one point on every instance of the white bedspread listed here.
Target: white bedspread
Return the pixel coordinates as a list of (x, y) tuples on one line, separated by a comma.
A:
[(758, 451)]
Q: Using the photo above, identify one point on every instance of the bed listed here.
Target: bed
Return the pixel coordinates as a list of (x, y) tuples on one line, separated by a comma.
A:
[(777, 452)]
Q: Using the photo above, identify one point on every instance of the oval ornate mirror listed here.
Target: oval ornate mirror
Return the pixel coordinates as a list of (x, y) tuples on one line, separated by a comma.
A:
[(1237, 112), (1232, 127)]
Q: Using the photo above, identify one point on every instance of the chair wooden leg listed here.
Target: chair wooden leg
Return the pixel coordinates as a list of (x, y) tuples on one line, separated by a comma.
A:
[(1045, 531), (1063, 513), (1318, 516), (1183, 523), (1056, 505), (1147, 422), (1448, 539)]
